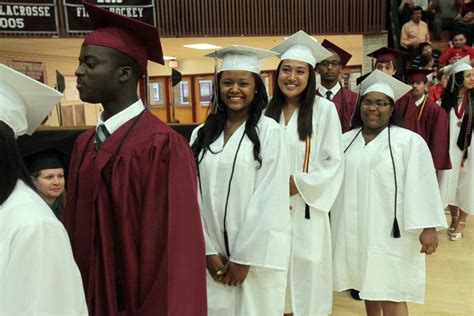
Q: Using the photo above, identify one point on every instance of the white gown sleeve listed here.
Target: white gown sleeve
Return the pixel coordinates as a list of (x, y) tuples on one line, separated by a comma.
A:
[(422, 200), (264, 236), (320, 186), (210, 248), (41, 277)]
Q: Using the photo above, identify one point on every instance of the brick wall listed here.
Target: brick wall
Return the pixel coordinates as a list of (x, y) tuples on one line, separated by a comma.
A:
[(369, 44)]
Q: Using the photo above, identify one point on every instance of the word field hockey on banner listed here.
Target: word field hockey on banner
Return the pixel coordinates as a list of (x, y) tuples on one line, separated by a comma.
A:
[(77, 18), (29, 16)]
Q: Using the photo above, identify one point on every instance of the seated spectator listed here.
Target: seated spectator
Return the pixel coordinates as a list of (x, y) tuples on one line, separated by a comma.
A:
[(414, 32), (425, 49), (426, 62), (456, 50), (435, 92), (466, 25), (404, 10), (445, 12)]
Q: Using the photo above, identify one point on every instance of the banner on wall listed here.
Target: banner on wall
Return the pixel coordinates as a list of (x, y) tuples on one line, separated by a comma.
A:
[(76, 16), (29, 16)]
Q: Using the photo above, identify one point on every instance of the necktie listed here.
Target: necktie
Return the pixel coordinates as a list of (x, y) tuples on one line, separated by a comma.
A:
[(101, 134), (328, 95)]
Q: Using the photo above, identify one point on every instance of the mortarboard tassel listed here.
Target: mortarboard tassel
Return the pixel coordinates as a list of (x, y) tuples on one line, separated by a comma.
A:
[(214, 101), (395, 229)]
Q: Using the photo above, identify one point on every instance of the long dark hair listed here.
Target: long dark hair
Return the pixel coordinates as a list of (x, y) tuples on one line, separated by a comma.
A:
[(395, 119), (215, 123), (305, 113), (449, 99), (12, 168)]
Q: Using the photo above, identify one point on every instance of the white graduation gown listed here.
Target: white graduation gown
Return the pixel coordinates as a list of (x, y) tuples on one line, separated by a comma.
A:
[(258, 219), (38, 275), (366, 256), (457, 184), (310, 275)]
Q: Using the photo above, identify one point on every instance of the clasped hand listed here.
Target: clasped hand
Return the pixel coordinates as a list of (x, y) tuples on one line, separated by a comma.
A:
[(226, 272)]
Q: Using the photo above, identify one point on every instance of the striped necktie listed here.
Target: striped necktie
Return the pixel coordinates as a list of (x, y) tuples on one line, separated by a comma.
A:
[(328, 95), (101, 133)]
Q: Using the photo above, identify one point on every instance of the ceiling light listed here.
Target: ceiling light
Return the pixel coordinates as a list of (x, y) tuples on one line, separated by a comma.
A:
[(202, 46)]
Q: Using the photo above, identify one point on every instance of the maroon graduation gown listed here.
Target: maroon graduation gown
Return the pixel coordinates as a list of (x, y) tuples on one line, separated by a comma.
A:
[(409, 111), (433, 127), (345, 101), (134, 222)]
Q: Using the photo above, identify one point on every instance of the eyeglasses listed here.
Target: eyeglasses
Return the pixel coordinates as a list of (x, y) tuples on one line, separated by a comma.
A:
[(326, 63), (376, 103)]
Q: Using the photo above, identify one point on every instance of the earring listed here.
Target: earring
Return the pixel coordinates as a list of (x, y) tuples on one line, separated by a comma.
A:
[(255, 91)]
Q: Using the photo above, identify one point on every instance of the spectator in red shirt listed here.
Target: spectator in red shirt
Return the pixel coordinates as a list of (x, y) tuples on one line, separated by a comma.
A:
[(457, 50), (435, 92)]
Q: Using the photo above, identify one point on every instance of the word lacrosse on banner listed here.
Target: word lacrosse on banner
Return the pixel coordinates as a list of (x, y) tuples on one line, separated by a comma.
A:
[(29, 16), (77, 18)]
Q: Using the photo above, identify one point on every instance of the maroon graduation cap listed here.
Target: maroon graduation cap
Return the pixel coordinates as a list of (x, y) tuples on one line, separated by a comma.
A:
[(386, 55), (139, 40), (416, 75), (344, 55)]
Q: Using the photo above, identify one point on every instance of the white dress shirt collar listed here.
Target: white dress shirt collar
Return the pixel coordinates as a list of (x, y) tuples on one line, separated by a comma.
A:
[(113, 123)]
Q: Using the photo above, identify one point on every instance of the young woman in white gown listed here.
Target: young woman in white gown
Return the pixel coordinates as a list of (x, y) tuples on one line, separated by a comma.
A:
[(243, 175), (38, 275), (389, 203), (457, 184), (313, 135)]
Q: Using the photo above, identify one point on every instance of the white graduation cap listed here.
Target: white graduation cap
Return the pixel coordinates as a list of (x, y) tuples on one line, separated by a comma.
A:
[(239, 57), (430, 76), (379, 81), (24, 102), (300, 46), (461, 65)]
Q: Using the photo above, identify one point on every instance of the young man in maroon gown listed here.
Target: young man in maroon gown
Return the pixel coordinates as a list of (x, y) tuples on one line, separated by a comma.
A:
[(132, 212), (432, 119), (385, 60), (330, 70)]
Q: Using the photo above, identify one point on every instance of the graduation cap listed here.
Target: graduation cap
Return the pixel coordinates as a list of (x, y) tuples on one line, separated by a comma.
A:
[(239, 57), (344, 55), (25, 102), (46, 158), (417, 75), (461, 65), (361, 78), (140, 41), (386, 55), (378, 81), (300, 46)]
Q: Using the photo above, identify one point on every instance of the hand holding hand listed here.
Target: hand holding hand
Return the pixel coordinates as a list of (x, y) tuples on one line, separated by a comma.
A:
[(215, 265), (235, 273)]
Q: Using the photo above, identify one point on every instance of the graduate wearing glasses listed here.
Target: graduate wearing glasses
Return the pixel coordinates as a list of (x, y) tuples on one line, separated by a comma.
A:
[(389, 205)]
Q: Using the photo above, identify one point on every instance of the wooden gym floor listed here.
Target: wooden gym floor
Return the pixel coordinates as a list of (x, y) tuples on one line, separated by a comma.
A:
[(449, 281)]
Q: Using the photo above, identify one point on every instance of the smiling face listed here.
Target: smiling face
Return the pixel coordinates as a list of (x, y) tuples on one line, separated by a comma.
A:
[(469, 79), (293, 78), (237, 90), (459, 41), (375, 111), (97, 76), (50, 183)]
